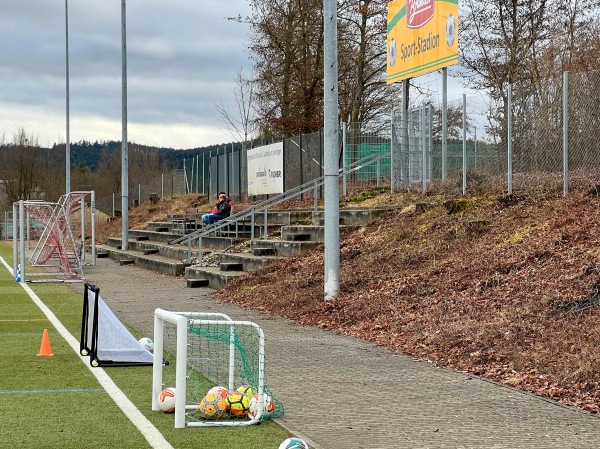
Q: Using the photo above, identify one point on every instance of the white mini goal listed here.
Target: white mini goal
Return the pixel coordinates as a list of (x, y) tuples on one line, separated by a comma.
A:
[(195, 351)]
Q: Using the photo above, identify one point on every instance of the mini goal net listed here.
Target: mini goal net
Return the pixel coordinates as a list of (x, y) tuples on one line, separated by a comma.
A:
[(196, 351), (104, 338)]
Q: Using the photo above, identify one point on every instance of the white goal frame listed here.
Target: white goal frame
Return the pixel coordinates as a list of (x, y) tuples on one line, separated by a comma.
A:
[(182, 320)]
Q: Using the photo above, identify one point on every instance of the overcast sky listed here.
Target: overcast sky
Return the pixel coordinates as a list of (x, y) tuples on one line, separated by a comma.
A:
[(182, 56)]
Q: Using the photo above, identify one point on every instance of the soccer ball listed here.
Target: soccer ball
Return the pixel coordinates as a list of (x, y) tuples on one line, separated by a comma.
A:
[(293, 443), (238, 403), (247, 390), (450, 30), (269, 407), (147, 343), (166, 400), (218, 391), (213, 406)]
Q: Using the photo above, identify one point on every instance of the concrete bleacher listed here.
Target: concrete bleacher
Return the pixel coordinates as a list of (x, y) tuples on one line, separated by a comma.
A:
[(290, 232)]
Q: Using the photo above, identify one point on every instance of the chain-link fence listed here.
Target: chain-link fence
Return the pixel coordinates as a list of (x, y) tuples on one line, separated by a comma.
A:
[(165, 186), (533, 136)]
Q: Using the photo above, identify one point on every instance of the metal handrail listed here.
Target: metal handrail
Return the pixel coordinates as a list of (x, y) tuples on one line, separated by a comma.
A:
[(268, 203)]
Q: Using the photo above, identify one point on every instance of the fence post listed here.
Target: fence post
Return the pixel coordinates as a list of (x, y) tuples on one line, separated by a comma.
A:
[(93, 225), (83, 217), (405, 148), (509, 141), (301, 165), (393, 158), (344, 174), (423, 150), (464, 161), (475, 147), (14, 238), (230, 184), (565, 133), (430, 143), (444, 123), (409, 136), (22, 239)]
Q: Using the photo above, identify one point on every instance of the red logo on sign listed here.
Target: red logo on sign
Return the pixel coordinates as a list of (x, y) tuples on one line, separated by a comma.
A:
[(418, 12)]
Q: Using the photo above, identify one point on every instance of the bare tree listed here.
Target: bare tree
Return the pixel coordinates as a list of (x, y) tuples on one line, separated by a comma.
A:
[(362, 61), (241, 123), (20, 171), (287, 48)]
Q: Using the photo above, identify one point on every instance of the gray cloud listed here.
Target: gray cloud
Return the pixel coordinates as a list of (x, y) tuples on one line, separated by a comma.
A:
[(181, 58)]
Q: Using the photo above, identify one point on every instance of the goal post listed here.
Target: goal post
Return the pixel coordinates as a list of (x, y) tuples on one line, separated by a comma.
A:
[(210, 349)]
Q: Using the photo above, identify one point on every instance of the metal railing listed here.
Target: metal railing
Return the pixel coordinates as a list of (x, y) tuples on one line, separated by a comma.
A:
[(264, 206)]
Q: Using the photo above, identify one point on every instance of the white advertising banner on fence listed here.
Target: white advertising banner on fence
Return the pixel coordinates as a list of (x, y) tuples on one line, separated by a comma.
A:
[(265, 169)]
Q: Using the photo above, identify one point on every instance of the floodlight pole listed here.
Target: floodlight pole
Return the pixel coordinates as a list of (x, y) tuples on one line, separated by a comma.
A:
[(124, 148), (68, 142), (331, 148)]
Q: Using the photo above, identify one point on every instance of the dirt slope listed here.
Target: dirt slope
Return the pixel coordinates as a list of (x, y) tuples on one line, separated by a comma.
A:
[(505, 288)]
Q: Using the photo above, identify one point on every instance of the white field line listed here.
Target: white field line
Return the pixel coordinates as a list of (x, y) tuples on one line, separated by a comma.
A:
[(151, 433)]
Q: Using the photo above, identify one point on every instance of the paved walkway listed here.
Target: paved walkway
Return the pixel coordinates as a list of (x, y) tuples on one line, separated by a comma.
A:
[(343, 393)]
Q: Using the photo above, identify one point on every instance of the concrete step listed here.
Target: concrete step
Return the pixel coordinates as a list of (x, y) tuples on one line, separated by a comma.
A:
[(258, 251), (246, 261), (216, 278), (350, 217), (285, 217), (178, 252), (153, 262), (303, 233), (283, 248), (231, 266), (166, 237), (195, 283)]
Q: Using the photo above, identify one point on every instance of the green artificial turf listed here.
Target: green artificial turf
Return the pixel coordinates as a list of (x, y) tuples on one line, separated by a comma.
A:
[(56, 402)]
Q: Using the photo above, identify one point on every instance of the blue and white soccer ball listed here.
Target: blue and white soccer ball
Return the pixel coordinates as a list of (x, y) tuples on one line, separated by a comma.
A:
[(147, 343), (293, 443), (450, 30)]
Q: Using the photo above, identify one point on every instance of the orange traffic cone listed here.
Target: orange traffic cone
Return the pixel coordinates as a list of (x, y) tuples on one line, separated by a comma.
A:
[(45, 347)]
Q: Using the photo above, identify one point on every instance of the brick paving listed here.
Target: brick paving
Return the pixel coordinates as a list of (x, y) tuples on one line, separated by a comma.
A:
[(343, 393)]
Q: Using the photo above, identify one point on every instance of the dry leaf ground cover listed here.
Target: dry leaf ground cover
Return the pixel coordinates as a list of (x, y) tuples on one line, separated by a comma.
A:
[(502, 287)]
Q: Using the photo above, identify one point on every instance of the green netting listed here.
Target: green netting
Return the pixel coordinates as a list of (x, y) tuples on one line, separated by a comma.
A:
[(219, 355), (362, 150)]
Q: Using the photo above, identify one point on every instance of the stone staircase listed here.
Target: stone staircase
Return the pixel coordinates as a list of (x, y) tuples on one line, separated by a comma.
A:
[(231, 253)]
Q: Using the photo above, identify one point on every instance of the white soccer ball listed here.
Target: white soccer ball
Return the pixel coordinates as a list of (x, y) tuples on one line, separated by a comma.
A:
[(293, 443), (269, 406), (147, 343), (218, 391), (450, 30), (392, 52), (166, 400)]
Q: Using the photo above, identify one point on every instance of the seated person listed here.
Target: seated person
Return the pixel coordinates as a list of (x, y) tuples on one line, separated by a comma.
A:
[(221, 210)]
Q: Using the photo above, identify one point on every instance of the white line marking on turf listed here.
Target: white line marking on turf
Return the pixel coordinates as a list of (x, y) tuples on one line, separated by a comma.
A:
[(151, 433), (72, 390)]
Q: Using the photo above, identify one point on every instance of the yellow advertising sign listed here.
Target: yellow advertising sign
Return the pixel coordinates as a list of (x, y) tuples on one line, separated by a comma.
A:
[(422, 36)]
